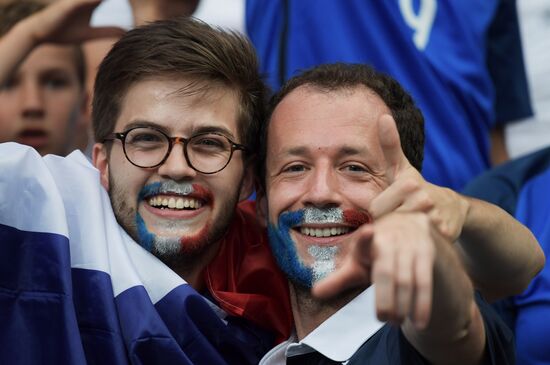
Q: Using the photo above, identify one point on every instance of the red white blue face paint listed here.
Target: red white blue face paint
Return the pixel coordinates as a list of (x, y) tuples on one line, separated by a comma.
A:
[(156, 195), (323, 257)]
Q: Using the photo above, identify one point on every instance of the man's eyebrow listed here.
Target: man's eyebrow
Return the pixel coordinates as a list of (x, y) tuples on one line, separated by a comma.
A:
[(55, 71), (144, 123), (343, 151), (214, 129), (297, 151), (349, 150)]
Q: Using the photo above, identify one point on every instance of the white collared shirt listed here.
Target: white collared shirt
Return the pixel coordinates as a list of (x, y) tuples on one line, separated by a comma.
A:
[(337, 338)]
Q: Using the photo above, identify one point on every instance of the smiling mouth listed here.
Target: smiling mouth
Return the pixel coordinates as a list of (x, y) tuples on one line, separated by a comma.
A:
[(172, 202), (324, 231)]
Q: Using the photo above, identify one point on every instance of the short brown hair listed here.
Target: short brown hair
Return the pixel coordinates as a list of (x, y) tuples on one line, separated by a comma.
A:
[(14, 11), (180, 47), (342, 76)]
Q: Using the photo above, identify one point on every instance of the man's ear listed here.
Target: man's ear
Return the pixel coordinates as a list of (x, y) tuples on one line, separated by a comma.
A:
[(100, 160)]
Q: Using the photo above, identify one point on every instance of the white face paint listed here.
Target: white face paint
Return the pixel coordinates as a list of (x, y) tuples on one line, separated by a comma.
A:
[(322, 216), (324, 261)]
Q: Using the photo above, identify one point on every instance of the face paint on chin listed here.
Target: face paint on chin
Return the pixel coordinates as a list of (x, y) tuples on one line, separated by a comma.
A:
[(183, 250), (323, 257), (324, 260), (284, 249), (173, 248), (166, 246)]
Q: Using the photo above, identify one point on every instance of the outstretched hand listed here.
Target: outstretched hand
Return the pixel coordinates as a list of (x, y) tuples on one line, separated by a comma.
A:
[(68, 21), (396, 254), (409, 192)]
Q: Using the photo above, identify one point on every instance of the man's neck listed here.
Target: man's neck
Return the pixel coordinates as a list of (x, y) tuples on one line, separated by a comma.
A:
[(309, 312)]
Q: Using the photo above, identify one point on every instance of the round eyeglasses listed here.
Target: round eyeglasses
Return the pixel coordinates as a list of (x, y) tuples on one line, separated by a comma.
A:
[(148, 147)]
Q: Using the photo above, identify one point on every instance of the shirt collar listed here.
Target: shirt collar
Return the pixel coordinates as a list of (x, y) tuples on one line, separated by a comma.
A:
[(340, 336)]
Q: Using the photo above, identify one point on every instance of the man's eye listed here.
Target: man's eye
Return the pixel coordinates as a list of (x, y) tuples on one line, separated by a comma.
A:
[(55, 83), (355, 168), (145, 138), (8, 85), (208, 142), (294, 168)]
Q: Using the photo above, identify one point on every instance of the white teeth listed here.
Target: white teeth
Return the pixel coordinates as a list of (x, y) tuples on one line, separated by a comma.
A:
[(171, 203), (324, 232), (174, 202)]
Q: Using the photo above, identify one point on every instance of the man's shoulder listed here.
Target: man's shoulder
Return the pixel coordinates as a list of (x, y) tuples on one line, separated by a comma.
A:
[(388, 347), (503, 184)]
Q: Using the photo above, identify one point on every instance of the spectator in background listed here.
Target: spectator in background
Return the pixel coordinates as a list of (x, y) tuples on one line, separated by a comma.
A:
[(43, 102), (534, 134), (457, 58), (522, 187)]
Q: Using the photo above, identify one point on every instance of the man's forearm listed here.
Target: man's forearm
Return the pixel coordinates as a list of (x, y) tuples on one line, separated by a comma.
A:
[(501, 255), (14, 48)]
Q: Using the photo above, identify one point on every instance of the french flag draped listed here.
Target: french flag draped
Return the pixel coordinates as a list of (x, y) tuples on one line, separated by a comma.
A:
[(76, 289)]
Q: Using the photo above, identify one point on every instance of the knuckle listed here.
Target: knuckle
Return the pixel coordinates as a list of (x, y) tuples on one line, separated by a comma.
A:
[(410, 185), (425, 201)]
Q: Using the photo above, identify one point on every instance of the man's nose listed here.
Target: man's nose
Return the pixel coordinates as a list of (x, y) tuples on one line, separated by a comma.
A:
[(323, 187), (175, 166), (31, 99)]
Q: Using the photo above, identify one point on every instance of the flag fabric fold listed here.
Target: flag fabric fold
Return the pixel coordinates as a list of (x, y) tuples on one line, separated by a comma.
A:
[(76, 289)]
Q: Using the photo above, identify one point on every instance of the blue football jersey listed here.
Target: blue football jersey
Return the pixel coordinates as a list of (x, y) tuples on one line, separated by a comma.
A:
[(438, 50)]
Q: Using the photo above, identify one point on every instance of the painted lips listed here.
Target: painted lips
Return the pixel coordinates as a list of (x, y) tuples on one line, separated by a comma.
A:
[(325, 223), (175, 200)]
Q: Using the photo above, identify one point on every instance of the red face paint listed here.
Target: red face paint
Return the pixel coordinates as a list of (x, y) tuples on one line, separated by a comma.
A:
[(201, 193), (356, 218), (191, 244)]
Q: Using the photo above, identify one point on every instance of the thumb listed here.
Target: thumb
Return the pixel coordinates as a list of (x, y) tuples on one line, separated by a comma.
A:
[(391, 147)]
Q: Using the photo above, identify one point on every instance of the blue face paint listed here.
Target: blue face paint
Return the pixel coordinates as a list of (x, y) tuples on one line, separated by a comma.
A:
[(146, 238), (149, 240), (284, 249), (149, 190)]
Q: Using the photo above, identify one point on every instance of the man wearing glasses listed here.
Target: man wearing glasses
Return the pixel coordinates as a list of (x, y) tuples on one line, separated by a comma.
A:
[(174, 104), (171, 126)]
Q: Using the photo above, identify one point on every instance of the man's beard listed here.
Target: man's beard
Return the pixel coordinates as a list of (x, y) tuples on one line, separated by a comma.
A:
[(181, 254)]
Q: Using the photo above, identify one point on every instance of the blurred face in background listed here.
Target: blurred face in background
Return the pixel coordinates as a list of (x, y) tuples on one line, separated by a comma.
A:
[(43, 104)]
